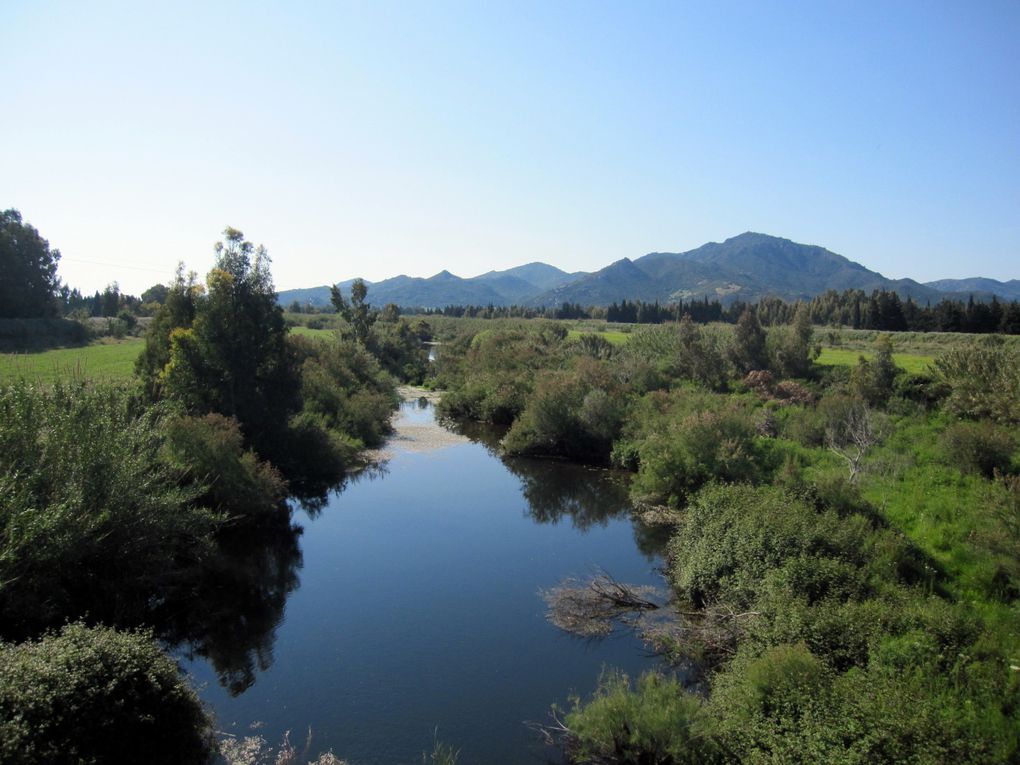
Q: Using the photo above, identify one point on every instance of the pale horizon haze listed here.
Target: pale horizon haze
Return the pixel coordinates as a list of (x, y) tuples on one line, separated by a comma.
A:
[(374, 139)]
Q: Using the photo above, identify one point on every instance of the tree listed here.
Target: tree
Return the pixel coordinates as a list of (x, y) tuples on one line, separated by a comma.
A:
[(178, 311), (28, 270), (157, 293), (852, 436), (232, 358), (357, 313), (792, 349), (748, 350)]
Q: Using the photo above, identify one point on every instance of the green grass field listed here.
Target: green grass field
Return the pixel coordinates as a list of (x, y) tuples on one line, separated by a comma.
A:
[(108, 360), (616, 338), (911, 362), (307, 332)]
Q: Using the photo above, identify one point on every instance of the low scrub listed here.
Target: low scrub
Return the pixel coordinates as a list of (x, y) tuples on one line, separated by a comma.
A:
[(95, 696), (978, 447)]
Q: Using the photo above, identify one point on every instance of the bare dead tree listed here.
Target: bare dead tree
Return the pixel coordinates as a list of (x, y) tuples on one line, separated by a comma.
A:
[(853, 436)]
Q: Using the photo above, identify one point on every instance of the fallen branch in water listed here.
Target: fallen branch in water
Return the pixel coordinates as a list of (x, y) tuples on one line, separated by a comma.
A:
[(711, 632), (589, 608)]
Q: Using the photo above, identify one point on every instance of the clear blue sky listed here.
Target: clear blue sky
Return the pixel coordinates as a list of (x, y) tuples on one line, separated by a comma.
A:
[(376, 138)]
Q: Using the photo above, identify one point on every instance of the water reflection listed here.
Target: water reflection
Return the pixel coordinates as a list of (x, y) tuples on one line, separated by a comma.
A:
[(556, 490), (243, 590), (230, 613)]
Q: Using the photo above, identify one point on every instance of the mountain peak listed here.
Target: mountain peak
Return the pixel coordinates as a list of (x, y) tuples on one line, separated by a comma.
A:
[(444, 274)]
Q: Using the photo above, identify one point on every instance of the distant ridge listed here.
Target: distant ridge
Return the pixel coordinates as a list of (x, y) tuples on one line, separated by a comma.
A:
[(747, 267), (1008, 290)]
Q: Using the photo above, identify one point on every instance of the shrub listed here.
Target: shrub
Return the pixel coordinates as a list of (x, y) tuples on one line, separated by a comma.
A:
[(733, 537), (920, 388), (873, 380), (92, 519), (982, 382), (575, 413), (210, 451), (653, 721), (978, 447), (683, 455), (344, 388), (490, 376), (95, 695)]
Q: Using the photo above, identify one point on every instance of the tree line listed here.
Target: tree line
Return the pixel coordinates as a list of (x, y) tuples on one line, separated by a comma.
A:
[(880, 310)]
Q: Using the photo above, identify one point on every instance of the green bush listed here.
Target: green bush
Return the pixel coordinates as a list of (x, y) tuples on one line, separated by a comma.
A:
[(95, 695), (978, 447), (575, 413), (653, 721), (92, 518), (784, 705), (982, 382), (210, 451), (733, 537), (345, 389), (873, 380), (489, 376), (682, 455)]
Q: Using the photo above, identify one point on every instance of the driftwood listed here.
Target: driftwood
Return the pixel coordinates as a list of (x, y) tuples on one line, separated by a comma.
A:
[(711, 632), (590, 608)]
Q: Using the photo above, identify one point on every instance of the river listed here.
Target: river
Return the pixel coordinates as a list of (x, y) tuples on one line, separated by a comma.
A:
[(410, 604)]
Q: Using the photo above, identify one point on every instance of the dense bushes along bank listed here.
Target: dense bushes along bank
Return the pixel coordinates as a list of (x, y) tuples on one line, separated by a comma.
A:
[(845, 542), (131, 506)]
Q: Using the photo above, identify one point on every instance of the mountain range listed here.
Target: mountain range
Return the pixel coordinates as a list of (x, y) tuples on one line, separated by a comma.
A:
[(747, 267)]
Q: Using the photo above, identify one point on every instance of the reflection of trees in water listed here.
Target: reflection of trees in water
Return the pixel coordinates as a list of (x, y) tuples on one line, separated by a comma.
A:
[(479, 432), (651, 539), (313, 496), (556, 490), (230, 613)]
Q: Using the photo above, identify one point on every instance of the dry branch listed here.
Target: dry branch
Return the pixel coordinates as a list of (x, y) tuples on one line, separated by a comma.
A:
[(589, 608)]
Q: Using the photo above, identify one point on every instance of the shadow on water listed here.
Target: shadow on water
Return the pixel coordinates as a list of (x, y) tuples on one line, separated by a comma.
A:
[(242, 591), (557, 490), (230, 613)]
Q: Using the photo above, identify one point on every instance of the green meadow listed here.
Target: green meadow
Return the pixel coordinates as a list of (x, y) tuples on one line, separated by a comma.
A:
[(910, 362), (103, 360)]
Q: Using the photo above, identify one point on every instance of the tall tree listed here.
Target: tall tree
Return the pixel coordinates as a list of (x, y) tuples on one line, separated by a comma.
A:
[(748, 350), (233, 358), (28, 270), (357, 313)]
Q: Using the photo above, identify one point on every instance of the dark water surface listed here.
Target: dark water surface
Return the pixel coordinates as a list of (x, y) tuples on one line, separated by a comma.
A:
[(411, 602)]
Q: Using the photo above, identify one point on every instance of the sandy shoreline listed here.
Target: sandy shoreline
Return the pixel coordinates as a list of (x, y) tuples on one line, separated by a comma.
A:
[(410, 435)]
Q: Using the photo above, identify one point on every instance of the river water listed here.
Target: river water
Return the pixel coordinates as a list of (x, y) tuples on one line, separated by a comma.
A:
[(410, 604)]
